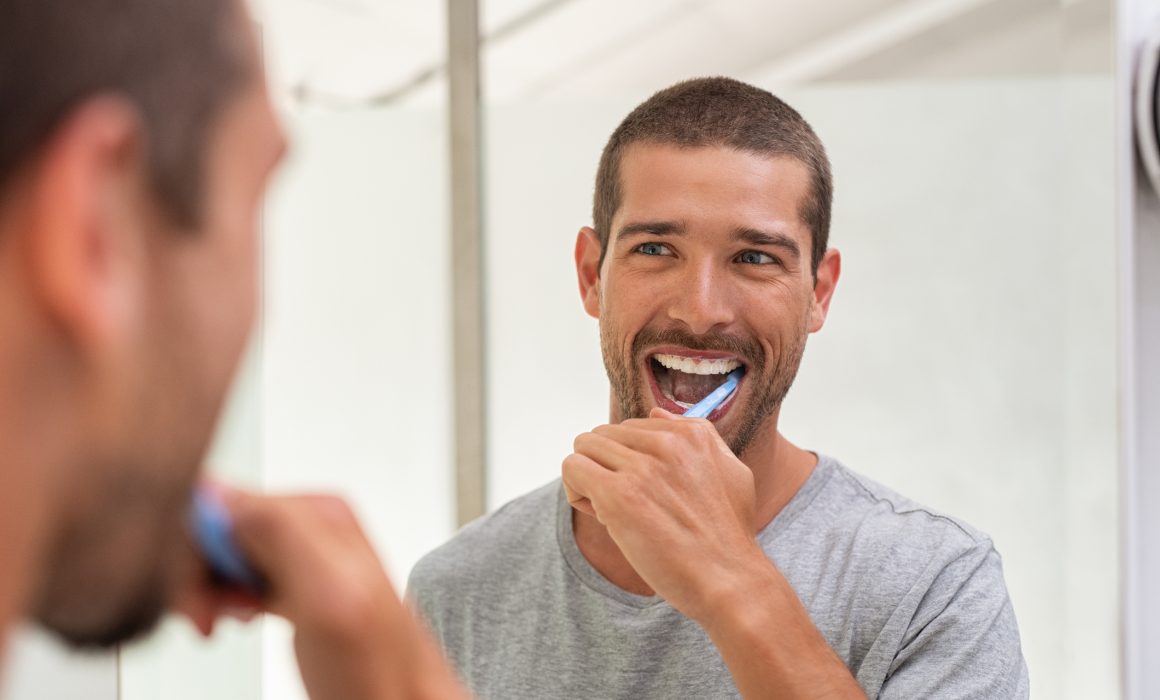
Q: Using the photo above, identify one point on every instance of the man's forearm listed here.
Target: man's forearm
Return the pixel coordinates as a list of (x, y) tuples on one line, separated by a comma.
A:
[(431, 677), (770, 644)]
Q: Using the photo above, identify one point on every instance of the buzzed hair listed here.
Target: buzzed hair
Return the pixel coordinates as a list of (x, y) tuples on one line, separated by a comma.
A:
[(719, 112), (178, 62)]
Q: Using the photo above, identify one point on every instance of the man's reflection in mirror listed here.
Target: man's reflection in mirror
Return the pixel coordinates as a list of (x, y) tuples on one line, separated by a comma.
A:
[(712, 558)]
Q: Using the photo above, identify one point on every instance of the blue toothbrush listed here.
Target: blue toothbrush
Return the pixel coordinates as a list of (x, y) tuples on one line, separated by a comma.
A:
[(213, 530), (717, 397)]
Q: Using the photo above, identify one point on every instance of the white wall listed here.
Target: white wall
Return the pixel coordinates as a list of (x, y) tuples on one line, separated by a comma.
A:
[(1139, 330), (970, 359), (356, 392), (37, 667)]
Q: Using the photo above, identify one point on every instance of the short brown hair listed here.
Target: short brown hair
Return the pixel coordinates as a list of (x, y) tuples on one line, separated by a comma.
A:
[(177, 61), (719, 112)]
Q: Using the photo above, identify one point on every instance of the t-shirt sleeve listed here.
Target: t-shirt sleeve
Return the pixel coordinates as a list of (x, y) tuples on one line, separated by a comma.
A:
[(422, 597), (963, 641)]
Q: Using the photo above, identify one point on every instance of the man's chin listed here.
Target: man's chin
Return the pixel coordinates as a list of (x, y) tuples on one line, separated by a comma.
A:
[(132, 623)]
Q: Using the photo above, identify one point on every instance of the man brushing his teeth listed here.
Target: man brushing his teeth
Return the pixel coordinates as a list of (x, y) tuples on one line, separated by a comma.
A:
[(712, 558)]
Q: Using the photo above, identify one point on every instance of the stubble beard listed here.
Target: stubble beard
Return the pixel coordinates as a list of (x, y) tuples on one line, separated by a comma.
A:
[(94, 596), (111, 570), (630, 388)]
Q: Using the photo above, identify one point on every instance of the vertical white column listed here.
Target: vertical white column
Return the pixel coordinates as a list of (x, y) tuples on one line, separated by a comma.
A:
[(467, 258), (1139, 236)]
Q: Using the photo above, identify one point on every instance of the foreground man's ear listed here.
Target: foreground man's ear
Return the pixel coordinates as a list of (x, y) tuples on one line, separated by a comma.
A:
[(829, 270), (85, 248), (588, 270)]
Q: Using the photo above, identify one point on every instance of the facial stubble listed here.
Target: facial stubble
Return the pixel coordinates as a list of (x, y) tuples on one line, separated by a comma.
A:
[(771, 381)]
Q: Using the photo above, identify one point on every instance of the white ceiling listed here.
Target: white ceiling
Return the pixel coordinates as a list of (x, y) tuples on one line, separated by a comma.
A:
[(391, 51)]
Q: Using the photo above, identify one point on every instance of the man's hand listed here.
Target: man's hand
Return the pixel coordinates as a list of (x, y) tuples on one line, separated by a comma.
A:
[(353, 637), (680, 506), (675, 499)]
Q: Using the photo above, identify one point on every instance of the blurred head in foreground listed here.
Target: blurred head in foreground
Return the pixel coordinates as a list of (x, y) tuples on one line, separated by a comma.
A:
[(136, 139)]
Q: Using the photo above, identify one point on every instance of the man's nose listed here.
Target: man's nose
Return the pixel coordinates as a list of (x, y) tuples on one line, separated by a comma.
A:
[(703, 301)]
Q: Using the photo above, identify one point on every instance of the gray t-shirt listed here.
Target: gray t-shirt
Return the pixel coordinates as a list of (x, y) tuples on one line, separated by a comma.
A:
[(913, 602)]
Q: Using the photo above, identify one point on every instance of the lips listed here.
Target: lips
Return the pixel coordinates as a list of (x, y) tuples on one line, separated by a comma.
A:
[(680, 377)]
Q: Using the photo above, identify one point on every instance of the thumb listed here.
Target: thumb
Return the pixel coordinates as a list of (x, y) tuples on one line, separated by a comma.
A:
[(659, 412)]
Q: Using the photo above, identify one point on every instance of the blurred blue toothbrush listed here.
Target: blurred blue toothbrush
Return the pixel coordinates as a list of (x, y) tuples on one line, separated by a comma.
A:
[(213, 530)]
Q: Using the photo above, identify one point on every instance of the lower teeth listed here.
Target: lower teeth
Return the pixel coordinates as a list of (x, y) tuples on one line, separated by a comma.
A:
[(670, 397)]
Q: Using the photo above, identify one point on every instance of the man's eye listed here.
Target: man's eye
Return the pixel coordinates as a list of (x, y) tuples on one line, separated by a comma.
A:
[(653, 249), (754, 257)]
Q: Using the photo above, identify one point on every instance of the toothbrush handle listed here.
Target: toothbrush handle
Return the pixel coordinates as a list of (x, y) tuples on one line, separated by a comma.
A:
[(212, 529)]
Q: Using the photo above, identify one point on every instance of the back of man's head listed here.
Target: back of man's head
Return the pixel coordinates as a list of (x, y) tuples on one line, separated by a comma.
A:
[(176, 62), (122, 123), (719, 112)]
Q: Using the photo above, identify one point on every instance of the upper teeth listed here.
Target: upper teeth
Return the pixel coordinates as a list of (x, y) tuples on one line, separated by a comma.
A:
[(695, 365)]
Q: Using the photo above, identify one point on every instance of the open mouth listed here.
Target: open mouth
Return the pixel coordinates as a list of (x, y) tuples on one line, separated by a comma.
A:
[(679, 381)]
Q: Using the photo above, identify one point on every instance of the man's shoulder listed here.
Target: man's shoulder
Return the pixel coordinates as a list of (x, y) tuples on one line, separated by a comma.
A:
[(853, 499), (872, 533), (911, 582), (490, 545)]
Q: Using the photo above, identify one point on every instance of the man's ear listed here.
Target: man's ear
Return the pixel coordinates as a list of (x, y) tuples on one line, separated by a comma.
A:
[(829, 270), (588, 251), (84, 244)]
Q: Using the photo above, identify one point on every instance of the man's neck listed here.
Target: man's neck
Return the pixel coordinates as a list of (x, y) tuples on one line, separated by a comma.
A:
[(780, 469)]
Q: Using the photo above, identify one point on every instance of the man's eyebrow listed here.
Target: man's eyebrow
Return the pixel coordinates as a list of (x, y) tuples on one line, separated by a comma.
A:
[(754, 236), (652, 228)]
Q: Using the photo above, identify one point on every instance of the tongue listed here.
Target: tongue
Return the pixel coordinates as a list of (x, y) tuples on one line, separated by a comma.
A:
[(691, 388)]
